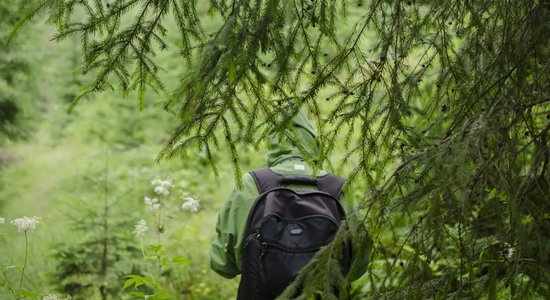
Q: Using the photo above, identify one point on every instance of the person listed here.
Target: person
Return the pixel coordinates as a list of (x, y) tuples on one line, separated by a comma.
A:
[(285, 157)]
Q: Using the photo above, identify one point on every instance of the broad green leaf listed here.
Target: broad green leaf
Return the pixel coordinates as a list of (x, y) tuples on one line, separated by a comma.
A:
[(135, 280), (154, 248), (178, 259)]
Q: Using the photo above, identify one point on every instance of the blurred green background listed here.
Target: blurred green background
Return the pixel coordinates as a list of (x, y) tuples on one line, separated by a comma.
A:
[(78, 170), (67, 168)]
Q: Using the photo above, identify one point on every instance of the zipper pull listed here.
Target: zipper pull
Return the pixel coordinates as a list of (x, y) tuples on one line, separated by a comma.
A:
[(263, 249), (253, 236)]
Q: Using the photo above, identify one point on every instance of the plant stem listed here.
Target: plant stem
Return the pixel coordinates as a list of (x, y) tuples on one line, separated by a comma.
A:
[(25, 264), (8, 283), (104, 258), (159, 224), (158, 257), (182, 232), (147, 265)]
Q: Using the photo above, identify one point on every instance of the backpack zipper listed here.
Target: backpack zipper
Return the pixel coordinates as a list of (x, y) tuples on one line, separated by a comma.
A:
[(257, 236), (285, 220), (254, 235), (272, 245), (264, 245)]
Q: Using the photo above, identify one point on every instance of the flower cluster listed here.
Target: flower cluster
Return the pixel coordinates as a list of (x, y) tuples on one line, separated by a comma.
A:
[(25, 223), (190, 204), (162, 187), (141, 228), (153, 204), (2, 220)]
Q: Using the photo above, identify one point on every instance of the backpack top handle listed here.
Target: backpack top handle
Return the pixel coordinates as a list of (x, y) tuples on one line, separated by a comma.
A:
[(299, 179), (266, 180)]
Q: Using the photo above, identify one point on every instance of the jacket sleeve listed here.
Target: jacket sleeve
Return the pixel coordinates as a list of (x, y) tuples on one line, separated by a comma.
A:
[(361, 241), (225, 250), (222, 256)]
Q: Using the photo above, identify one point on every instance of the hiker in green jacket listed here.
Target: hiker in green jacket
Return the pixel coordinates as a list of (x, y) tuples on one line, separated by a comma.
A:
[(283, 158)]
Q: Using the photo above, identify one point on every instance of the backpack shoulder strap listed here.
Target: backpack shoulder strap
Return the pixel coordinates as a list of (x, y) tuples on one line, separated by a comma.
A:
[(331, 184), (266, 179)]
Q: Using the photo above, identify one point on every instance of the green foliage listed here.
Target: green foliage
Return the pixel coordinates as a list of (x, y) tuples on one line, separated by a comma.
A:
[(105, 250), (16, 88), (437, 112)]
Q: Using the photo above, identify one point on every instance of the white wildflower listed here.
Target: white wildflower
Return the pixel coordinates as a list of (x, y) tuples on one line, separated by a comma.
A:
[(25, 223), (51, 297), (141, 228), (161, 190), (162, 186), (150, 201), (190, 204), (2, 220), (166, 184), (163, 183)]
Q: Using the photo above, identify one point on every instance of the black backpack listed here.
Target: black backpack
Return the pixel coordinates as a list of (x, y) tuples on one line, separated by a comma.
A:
[(285, 228)]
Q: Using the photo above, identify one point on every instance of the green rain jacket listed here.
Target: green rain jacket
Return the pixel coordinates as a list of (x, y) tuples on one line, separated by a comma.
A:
[(283, 158)]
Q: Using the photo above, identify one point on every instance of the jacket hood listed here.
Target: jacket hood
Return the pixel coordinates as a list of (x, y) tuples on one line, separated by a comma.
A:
[(299, 141)]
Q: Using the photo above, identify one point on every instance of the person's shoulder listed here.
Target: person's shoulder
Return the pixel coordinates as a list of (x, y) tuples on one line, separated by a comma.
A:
[(247, 184), (247, 178)]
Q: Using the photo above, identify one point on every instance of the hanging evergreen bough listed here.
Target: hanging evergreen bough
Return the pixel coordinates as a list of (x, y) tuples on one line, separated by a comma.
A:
[(442, 108)]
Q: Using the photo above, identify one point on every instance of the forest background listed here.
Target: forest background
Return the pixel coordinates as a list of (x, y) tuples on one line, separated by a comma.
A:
[(472, 221)]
